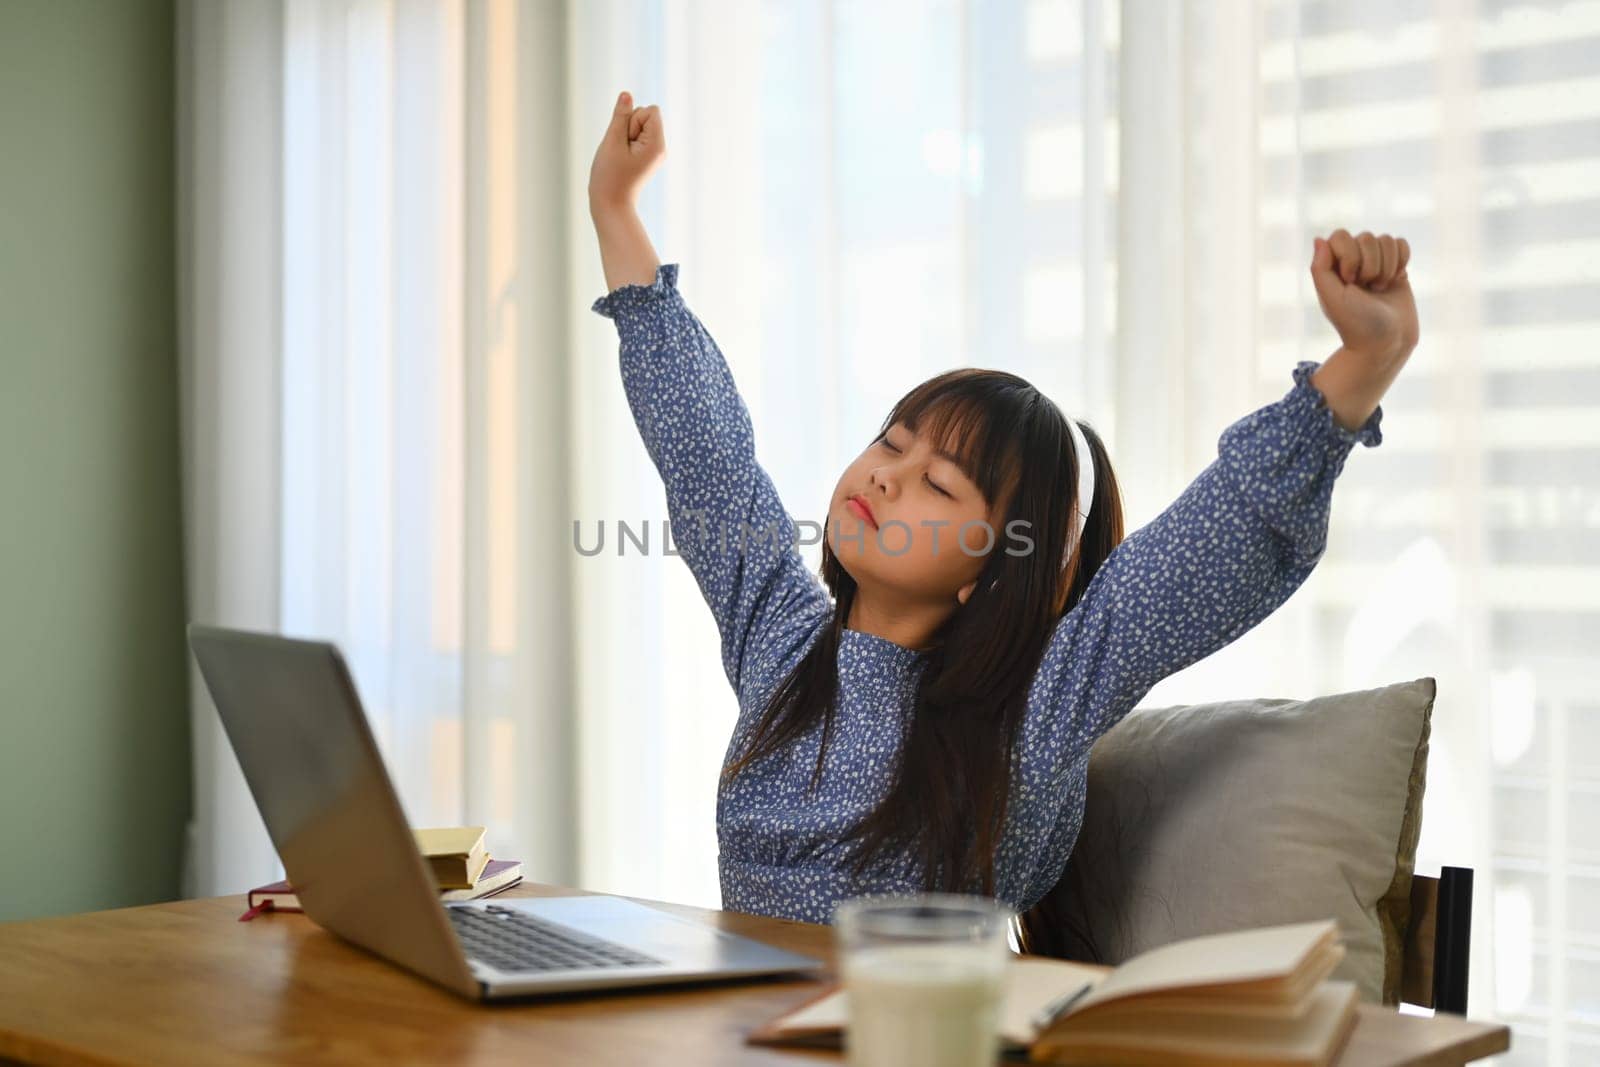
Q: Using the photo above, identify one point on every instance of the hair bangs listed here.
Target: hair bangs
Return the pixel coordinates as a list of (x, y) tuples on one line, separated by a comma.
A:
[(965, 418)]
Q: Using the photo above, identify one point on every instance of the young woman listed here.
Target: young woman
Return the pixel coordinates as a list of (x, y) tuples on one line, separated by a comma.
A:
[(921, 718)]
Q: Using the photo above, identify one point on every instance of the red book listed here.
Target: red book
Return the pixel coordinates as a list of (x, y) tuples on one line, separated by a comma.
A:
[(497, 876)]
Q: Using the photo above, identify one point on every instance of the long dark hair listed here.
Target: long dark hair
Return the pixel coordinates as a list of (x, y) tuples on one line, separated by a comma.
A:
[(946, 806)]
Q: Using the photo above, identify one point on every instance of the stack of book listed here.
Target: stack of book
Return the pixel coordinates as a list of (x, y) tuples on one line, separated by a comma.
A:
[(457, 855), (1260, 997)]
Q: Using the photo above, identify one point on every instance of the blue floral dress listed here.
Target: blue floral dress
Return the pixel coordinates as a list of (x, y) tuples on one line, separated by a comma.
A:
[(1232, 548)]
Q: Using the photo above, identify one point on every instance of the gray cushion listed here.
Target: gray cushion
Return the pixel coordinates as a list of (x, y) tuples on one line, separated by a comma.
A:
[(1217, 817)]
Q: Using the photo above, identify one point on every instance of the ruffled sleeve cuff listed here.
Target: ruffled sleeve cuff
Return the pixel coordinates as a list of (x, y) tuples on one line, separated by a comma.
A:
[(1307, 401), (625, 298)]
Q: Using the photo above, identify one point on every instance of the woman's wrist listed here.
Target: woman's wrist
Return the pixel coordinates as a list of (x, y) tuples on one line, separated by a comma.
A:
[(1353, 382), (608, 207), (626, 254)]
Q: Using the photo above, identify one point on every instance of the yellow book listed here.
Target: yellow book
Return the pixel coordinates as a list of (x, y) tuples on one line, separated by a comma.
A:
[(457, 854)]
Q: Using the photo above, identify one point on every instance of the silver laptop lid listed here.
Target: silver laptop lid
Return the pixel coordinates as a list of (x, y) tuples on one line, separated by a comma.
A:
[(292, 714)]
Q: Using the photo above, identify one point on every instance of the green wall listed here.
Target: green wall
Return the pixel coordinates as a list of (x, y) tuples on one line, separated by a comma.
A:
[(94, 745)]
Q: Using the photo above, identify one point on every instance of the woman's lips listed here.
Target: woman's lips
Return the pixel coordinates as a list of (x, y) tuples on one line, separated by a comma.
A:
[(859, 508)]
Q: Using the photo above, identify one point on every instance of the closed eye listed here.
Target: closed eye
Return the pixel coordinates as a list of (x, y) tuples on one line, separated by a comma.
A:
[(934, 485)]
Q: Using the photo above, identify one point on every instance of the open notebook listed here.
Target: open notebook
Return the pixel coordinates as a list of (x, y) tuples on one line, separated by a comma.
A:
[(1260, 997)]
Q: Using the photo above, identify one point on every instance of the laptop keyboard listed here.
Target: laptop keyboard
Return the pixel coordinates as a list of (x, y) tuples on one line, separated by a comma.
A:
[(512, 940)]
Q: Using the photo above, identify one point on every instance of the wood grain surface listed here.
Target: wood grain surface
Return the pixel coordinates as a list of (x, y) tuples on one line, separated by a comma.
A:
[(186, 983)]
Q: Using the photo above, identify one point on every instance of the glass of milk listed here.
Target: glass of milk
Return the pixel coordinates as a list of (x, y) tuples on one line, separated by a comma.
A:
[(923, 976)]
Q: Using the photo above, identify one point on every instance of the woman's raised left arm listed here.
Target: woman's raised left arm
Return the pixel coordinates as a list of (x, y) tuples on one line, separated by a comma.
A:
[(1227, 553), (1247, 531)]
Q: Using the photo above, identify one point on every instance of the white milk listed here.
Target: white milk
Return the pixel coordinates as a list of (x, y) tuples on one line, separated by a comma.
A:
[(927, 1005)]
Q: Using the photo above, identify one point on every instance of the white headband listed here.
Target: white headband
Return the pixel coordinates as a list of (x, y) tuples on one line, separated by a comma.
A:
[(1085, 487)]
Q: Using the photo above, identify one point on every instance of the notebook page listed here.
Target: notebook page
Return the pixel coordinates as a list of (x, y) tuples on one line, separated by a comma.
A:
[(1032, 983), (1237, 956)]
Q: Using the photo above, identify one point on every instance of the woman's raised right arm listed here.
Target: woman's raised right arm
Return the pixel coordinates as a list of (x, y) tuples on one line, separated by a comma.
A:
[(728, 523)]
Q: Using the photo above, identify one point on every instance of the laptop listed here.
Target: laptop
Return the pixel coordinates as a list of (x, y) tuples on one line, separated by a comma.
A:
[(291, 712)]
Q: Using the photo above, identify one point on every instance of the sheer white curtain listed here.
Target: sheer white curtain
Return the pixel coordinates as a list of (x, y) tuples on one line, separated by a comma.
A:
[(375, 304), (399, 402)]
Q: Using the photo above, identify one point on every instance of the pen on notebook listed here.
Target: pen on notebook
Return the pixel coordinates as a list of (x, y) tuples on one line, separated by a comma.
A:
[(1058, 1007)]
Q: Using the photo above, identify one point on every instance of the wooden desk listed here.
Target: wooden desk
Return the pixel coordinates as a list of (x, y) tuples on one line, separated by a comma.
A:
[(186, 983)]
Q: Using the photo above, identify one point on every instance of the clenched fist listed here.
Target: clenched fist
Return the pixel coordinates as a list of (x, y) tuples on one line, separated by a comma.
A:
[(1365, 292), (629, 152)]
